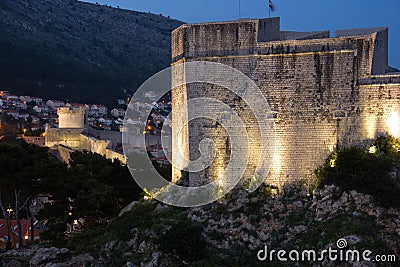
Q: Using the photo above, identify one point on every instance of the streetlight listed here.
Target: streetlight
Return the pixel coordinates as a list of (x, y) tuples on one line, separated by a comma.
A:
[(9, 211)]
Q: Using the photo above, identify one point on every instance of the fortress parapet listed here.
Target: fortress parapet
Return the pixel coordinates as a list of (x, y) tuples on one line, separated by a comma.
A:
[(71, 118), (324, 92)]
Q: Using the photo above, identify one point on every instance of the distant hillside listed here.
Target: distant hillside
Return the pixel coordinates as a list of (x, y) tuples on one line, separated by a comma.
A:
[(76, 51)]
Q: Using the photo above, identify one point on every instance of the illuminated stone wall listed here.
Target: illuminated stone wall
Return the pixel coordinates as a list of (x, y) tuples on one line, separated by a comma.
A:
[(325, 92), (69, 136), (66, 137), (71, 118)]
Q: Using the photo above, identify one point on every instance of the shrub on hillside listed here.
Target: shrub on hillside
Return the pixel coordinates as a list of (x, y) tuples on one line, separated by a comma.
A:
[(185, 241), (369, 170)]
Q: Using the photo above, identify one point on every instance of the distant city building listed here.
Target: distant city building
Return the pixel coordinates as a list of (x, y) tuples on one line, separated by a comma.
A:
[(20, 104), (13, 113), (41, 108), (38, 203), (97, 110), (4, 93), (37, 100), (23, 116), (76, 105), (54, 104), (118, 112), (121, 102), (35, 140), (11, 97), (25, 98), (151, 95), (25, 229)]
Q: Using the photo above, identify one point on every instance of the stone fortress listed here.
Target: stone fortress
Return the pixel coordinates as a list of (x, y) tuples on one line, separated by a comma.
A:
[(73, 134), (325, 93)]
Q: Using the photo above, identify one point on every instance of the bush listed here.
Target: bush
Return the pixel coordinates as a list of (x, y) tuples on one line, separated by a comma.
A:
[(366, 171), (89, 240), (185, 241)]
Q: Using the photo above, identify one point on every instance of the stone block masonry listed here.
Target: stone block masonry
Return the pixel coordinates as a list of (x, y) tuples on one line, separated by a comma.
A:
[(69, 136), (324, 92)]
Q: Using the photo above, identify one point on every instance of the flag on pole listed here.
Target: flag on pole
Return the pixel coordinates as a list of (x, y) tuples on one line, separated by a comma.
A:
[(271, 6)]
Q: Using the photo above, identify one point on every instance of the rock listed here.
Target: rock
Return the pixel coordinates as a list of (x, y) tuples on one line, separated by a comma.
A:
[(128, 254), (143, 246), (14, 263), (55, 265), (161, 208), (325, 198), (43, 255), (81, 260), (363, 264), (253, 218), (133, 243), (155, 260), (299, 229), (262, 236), (352, 239), (357, 214), (110, 245)]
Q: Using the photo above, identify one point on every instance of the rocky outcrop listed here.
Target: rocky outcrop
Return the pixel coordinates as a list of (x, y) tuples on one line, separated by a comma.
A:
[(37, 256), (241, 224)]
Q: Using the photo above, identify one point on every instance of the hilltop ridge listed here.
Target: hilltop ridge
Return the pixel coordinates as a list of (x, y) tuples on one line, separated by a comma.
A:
[(77, 51)]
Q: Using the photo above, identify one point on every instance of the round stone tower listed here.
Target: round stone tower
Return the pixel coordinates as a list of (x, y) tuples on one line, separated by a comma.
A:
[(71, 118)]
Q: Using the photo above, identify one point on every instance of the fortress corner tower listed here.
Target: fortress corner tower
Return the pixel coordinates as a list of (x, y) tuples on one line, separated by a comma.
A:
[(324, 92)]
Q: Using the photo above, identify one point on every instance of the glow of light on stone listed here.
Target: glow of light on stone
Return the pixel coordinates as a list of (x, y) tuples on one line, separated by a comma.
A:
[(277, 158), (220, 180), (219, 160), (393, 124), (370, 125)]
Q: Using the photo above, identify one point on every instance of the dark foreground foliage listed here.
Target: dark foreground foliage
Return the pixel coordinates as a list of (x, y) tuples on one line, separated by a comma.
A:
[(373, 170)]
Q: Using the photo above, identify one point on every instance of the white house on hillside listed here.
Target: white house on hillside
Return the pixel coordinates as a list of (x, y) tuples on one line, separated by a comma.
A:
[(118, 112)]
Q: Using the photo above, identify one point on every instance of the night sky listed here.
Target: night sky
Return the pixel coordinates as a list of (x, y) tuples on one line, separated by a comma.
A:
[(297, 15)]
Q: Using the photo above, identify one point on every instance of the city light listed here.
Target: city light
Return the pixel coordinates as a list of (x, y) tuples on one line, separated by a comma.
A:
[(9, 210), (332, 163), (372, 150)]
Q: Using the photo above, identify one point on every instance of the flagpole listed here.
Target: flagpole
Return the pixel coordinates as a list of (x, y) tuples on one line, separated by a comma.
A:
[(240, 15), (269, 8)]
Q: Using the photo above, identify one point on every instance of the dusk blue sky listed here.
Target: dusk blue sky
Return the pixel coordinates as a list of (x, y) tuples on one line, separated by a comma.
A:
[(299, 15)]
